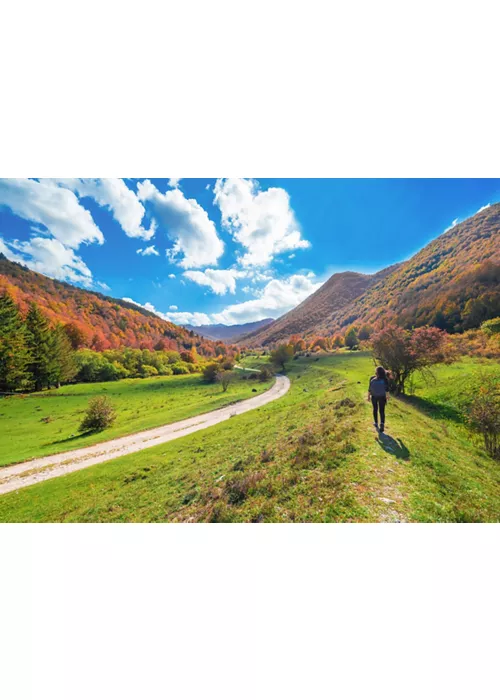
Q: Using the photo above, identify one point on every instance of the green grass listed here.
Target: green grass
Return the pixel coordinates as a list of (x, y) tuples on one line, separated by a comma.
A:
[(47, 422), (312, 456)]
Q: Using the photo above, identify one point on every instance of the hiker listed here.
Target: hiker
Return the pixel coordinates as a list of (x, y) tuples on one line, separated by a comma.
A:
[(378, 389)]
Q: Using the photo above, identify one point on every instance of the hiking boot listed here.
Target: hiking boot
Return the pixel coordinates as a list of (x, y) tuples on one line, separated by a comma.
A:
[(382, 427), (375, 425)]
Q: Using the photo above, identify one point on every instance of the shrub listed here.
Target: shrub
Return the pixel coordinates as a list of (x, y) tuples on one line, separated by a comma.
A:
[(100, 414), (148, 371), (483, 414), (265, 374), (210, 372), (180, 368)]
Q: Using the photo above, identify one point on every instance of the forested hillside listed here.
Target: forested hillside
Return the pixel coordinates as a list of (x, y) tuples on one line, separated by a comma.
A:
[(97, 321), (313, 314), (453, 283)]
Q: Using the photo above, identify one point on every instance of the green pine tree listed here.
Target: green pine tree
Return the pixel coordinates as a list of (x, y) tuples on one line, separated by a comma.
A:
[(39, 345), (62, 367), (14, 354)]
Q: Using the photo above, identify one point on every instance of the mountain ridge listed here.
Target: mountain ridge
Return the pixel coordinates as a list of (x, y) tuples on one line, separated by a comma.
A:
[(221, 331), (452, 283)]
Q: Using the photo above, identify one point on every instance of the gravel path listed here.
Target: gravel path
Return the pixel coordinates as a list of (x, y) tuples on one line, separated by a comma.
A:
[(36, 470)]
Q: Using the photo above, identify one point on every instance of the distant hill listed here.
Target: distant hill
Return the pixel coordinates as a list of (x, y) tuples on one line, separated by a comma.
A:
[(452, 283), (104, 322), (229, 333)]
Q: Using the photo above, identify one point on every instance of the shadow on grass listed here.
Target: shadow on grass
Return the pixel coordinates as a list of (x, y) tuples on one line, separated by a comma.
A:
[(72, 438), (393, 447), (435, 410)]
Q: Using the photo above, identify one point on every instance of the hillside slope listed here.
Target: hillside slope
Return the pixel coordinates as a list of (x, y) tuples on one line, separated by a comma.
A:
[(219, 331), (313, 314), (103, 322), (452, 283)]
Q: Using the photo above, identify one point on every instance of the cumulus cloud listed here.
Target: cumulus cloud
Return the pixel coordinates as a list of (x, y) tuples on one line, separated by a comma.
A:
[(275, 299), (113, 194), (263, 222), (219, 281), (171, 276), (49, 257), (173, 307), (174, 181), (182, 318), (55, 208), (150, 250), (195, 238)]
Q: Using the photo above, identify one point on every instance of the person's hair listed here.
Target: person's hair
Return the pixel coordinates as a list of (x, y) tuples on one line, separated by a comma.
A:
[(381, 373)]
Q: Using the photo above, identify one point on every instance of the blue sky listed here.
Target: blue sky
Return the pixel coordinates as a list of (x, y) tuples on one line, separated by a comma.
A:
[(229, 250)]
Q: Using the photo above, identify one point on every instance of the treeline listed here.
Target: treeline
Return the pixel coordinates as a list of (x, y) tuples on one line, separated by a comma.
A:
[(35, 355)]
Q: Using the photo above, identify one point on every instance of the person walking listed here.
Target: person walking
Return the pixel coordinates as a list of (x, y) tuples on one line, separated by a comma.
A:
[(378, 390)]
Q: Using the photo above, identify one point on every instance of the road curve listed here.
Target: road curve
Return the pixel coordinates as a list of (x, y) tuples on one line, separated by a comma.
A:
[(36, 470)]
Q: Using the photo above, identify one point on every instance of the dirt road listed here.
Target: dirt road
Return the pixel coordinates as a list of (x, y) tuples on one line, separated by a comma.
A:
[(36, 470)]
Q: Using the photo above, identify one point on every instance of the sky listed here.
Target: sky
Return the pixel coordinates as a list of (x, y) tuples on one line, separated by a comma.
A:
[(226, 250)]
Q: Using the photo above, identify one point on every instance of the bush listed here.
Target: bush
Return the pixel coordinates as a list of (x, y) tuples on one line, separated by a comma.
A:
[(483, 414), (265, 374), (148, 371), (210, 372), (100, 414), (180, 368)]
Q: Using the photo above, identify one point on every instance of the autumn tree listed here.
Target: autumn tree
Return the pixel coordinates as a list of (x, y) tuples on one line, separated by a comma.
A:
[(405, 352), (14, 355), (76, 335), (281, 355)]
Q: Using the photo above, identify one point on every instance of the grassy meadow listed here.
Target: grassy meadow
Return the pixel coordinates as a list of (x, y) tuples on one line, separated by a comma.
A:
[(312, 456), (44, 423)]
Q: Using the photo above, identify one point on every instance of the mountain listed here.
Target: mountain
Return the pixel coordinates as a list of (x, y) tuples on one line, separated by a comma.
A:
[(103, 322), (452, 283), (229, 333), (315, 311)]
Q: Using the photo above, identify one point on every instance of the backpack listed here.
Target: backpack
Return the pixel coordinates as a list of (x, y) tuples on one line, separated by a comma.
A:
[(378, 387)]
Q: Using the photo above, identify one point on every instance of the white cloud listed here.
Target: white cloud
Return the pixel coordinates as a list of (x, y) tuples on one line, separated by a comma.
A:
[(55, 208), (277, 297), (173, 307), (261, 221), (291, 257), (181, 317), (49, 257), (174, 181), (196, 242), (113, 193), (219, 281), (150, 250), (486, 206)]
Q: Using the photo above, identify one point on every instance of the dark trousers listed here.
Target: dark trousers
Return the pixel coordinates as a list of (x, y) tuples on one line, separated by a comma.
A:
[(379, 405)]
